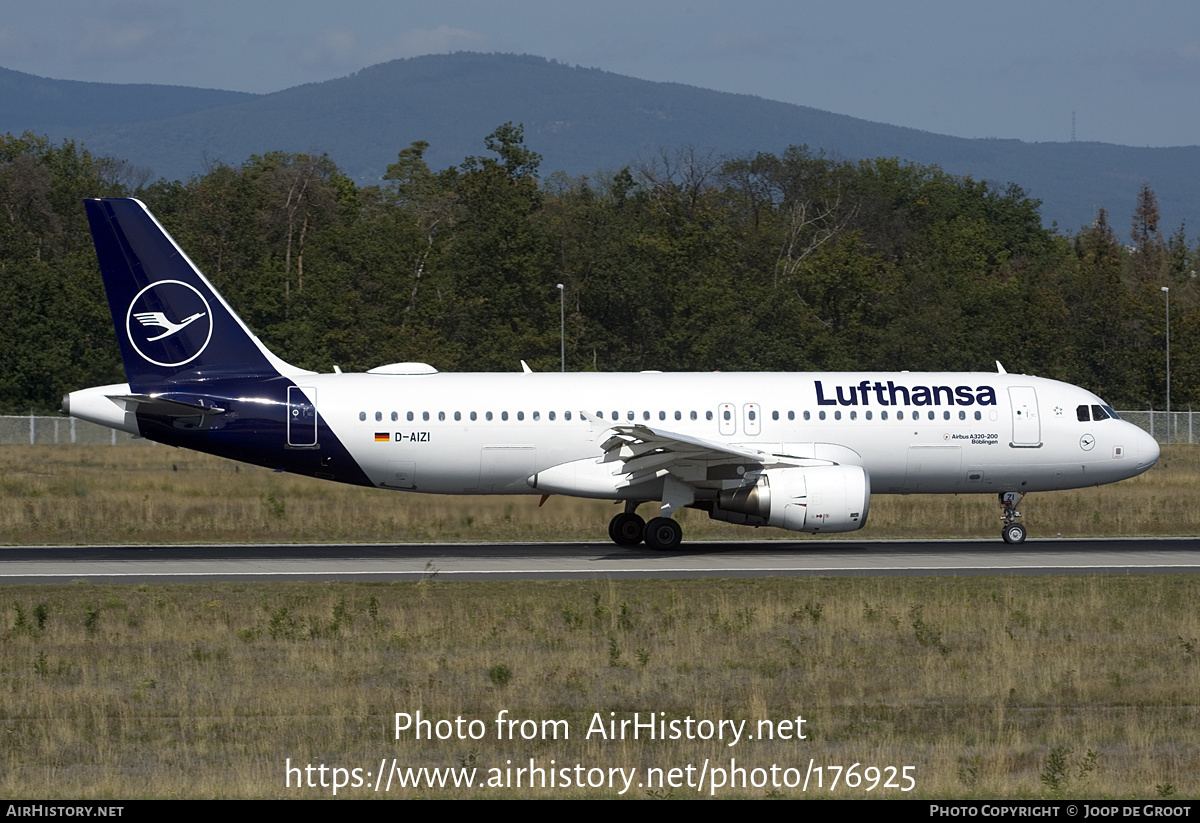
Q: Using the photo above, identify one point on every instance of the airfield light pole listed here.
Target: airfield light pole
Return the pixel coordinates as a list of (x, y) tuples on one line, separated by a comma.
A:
[(1167, 292), (562, 326)]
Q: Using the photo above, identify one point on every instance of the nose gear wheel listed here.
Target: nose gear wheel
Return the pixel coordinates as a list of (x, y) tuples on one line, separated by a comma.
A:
[(1013, 532)]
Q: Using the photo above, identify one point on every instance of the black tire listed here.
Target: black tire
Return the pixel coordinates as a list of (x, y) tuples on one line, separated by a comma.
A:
[(663, 534), (1013, 533), (627, 529)]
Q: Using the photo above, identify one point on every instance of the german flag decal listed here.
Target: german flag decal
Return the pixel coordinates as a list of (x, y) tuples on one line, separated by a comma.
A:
[(382, 437)]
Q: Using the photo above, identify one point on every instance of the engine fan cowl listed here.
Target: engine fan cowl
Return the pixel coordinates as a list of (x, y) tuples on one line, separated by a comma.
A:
[(818, 499)]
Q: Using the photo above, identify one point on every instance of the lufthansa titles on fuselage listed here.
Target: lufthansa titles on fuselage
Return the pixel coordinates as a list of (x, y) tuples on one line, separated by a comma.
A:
[(867, 393)]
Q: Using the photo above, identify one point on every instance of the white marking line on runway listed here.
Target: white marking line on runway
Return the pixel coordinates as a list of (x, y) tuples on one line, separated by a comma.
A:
[(692, 570)]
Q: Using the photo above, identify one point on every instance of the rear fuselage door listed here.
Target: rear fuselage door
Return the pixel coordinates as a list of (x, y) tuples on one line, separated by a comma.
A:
[(302, 417)]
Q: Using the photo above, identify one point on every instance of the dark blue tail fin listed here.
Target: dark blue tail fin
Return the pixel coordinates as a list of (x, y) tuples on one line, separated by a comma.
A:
[(173, 326)]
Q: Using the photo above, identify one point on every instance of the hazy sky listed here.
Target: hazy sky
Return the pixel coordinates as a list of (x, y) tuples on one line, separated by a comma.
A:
[(1129, 71)]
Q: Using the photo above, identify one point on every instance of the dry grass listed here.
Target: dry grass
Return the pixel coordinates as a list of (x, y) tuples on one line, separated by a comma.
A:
[(206, 690), (102, 494)]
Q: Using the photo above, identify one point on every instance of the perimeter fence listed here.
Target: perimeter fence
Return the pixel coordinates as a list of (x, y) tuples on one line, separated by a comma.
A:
[(49, 429)]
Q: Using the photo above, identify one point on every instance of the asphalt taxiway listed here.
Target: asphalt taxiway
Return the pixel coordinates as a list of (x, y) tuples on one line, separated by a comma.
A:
[(531, 561)]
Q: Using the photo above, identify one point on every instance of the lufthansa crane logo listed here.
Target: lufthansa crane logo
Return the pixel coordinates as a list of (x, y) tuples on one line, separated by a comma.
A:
[(169, 323)]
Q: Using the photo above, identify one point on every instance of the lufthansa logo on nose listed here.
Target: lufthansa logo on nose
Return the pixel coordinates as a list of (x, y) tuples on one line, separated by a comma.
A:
[(169, 323)]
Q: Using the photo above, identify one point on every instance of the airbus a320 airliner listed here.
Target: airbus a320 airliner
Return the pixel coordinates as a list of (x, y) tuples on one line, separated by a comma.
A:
[(800, 451)]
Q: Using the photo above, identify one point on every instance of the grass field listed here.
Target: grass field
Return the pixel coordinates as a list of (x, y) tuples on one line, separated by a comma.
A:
[(105, 494), (987, 687)]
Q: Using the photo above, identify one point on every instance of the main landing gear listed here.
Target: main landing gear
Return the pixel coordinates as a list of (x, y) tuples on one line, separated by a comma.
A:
[(1013, 532), (628, 529)]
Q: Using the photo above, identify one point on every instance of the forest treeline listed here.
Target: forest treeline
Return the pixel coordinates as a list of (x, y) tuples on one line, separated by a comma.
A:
[(779, 263)]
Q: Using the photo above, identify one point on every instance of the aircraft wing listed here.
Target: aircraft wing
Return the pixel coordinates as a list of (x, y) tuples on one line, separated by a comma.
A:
[(646, 452)]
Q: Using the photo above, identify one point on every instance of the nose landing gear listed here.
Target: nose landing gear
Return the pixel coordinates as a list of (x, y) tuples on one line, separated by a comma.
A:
[(1013, 532)]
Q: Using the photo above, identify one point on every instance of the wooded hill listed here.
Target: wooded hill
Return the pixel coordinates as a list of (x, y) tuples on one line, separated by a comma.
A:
[(582, 120), (787, 262)]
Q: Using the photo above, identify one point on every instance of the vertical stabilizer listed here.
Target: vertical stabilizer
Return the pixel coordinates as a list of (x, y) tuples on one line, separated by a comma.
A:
[(172, 325)]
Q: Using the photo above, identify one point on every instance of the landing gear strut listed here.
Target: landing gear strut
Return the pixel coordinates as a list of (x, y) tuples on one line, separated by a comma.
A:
[(1013, 532)]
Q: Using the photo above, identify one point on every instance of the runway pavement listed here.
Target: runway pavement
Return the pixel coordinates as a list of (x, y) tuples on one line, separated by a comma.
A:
[(531, 561)]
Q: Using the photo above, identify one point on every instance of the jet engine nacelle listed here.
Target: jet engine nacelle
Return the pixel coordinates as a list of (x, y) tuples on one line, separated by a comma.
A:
[(817, 499)]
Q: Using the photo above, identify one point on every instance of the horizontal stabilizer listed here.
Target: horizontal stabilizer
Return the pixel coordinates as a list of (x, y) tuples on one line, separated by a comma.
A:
[(163, 407)]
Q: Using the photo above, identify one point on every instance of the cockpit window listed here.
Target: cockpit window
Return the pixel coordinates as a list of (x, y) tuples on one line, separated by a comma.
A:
[(1094, 412)]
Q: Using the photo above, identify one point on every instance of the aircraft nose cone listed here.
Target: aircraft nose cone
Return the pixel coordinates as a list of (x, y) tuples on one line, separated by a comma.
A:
[(1147, 450)]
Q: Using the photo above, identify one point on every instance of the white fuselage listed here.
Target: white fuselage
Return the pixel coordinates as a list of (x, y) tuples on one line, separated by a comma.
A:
[(802, 451), (911, 432)]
